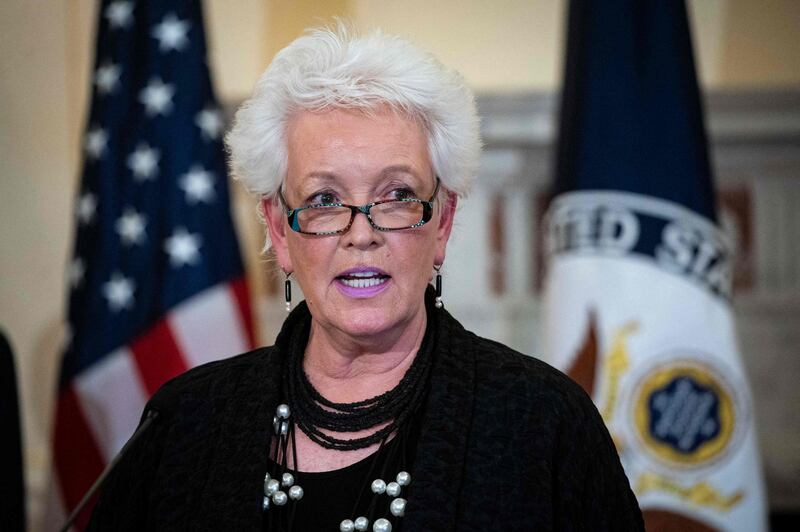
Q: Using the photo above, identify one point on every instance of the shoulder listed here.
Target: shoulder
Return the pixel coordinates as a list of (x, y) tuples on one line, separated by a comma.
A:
[(524, 385), (500, 365), (178, 451), (208, 379)]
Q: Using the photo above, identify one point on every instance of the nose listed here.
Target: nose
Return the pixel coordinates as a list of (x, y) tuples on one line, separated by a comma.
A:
[(361, 234)]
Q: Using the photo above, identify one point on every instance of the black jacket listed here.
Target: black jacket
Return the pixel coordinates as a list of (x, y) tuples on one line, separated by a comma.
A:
[(506, 443)]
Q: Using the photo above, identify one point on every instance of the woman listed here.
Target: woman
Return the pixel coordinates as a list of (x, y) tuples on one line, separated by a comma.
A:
[(375, 409)]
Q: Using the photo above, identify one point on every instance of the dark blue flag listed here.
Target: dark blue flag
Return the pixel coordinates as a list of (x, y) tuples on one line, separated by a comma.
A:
[(631, 117)]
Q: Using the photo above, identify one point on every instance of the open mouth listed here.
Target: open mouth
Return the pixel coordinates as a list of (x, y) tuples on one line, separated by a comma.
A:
[(359, 278), (363, 279)]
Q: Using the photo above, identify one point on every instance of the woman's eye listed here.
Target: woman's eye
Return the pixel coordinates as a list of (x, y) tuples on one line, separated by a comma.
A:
[(402, 193), (323, 198)]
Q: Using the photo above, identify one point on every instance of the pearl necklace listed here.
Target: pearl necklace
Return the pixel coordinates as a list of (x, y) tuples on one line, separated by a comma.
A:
[(283, 491), (318, 418)]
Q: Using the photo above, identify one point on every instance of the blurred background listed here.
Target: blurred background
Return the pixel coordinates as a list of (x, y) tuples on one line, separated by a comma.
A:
[(511, 52)]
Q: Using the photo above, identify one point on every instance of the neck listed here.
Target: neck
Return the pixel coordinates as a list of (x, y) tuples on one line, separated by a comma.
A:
[(345, 369)]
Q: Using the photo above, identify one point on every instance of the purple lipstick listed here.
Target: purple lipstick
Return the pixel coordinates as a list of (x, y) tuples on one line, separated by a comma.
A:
[(362, 282)]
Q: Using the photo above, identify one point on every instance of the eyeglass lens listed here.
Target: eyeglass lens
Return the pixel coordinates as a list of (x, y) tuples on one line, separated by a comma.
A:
[(389, 215)]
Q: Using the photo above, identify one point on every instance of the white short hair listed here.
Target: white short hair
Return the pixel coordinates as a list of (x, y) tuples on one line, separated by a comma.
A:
[(330, 68)]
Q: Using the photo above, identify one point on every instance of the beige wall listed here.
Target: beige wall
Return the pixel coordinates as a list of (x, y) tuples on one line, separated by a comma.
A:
[(45, 59), (766, 43), (38, 176), (508, 45)]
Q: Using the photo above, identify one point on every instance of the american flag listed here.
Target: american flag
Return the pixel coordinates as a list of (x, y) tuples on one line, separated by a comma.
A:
[(156, 282)]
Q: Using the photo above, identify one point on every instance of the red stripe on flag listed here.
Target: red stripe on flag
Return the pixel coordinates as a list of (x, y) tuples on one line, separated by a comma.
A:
[(77, 458), (157, 356), (242, 295)]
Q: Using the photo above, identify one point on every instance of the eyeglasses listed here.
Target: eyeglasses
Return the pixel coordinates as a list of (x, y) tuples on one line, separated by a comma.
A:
[(336, 218)]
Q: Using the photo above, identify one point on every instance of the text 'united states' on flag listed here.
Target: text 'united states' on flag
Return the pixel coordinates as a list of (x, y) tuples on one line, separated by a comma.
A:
[(156, 282), (638, 287)]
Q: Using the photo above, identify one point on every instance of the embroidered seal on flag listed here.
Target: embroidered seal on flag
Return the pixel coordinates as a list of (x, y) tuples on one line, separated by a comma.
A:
[(687, 414)]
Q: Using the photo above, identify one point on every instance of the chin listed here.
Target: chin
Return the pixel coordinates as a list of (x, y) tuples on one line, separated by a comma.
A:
[(368, 322)]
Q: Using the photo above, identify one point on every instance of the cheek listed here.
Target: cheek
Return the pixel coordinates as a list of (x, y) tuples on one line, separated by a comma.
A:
[(416, 254)]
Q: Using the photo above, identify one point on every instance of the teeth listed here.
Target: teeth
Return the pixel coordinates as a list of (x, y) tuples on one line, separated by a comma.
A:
[(363, 274), (364, 283)]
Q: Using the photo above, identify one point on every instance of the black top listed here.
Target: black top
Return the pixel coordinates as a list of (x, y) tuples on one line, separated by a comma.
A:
[(331, 496), (506, 442)]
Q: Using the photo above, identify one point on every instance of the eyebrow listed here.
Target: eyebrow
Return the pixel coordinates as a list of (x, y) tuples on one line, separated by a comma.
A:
[(318, 178), (392, 169), (399, 169), (323, 177)]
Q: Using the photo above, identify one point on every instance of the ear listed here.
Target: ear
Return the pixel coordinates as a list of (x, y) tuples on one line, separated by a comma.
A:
[(446, 214), (275, 218)]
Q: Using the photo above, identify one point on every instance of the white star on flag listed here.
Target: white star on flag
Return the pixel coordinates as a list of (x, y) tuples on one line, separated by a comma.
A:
[(130, 227), (119, 14), (143, 162), (77, 269), (198, 185), (87, 207), (119, 292), (209, 121), (157, 97), (171, 33), (106, 78), (95, 143), (183, 248)]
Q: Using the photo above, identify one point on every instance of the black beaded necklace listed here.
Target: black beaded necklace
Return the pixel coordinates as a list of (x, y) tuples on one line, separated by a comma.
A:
[(317, 416)]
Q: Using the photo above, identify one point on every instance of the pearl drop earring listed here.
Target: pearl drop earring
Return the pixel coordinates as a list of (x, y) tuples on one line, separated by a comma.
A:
[(287, 290), (438, 301)]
